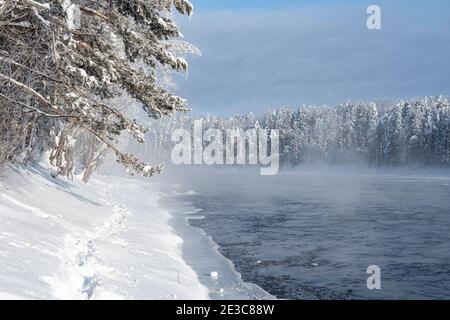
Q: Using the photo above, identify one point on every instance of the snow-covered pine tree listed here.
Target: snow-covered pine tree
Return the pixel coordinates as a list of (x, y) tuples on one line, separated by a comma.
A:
[(60, 60)]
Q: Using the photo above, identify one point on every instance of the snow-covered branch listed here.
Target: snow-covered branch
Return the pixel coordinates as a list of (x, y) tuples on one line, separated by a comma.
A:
[(38, 5), (29, 90), (40, 18), (79, 56)]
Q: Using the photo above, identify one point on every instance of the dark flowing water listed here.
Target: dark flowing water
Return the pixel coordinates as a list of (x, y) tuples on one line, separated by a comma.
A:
[(313, 234)]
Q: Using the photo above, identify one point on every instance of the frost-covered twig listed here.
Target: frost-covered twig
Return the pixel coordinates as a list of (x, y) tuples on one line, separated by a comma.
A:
[(29, 90), (8, 60), (94, 12), (40, 18), (38, 5), (36, 109)]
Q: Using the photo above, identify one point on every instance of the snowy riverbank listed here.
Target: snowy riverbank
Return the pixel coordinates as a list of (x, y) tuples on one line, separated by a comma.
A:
[(108, 240)]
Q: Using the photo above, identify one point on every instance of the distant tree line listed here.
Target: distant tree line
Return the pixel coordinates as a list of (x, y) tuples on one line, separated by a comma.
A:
[(405, 133)]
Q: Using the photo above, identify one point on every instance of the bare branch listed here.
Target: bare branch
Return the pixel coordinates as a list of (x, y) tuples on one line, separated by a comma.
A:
[(8, 60), (40, 18), (35, 109), (38, 5), (30, 90), (93, 12)]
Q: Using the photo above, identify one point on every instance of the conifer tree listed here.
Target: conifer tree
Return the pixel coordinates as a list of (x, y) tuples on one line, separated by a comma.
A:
[(61, 60)]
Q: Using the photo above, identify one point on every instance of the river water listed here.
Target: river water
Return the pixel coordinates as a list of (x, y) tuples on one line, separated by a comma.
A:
[(312, 233)]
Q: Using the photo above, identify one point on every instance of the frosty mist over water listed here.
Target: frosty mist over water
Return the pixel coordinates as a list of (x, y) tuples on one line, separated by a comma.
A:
[(313, 233)]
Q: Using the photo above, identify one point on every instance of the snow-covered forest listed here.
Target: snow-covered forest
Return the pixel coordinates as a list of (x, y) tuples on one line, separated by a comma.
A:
[(415, 132)]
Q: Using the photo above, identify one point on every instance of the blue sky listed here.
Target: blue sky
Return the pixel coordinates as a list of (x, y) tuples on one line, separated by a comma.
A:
[(260, 4), (267, 54)]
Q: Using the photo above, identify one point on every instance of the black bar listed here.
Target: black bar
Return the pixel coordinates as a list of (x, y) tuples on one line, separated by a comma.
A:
[(279, 309)]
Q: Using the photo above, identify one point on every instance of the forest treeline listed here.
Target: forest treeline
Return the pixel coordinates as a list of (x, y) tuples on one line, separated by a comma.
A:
[(405, 133)]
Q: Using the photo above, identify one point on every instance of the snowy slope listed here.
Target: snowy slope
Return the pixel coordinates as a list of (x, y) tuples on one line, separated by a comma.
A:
[(108, 240)]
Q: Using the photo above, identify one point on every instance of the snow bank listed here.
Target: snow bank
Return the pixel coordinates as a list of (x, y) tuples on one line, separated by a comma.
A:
[(107, 240)]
